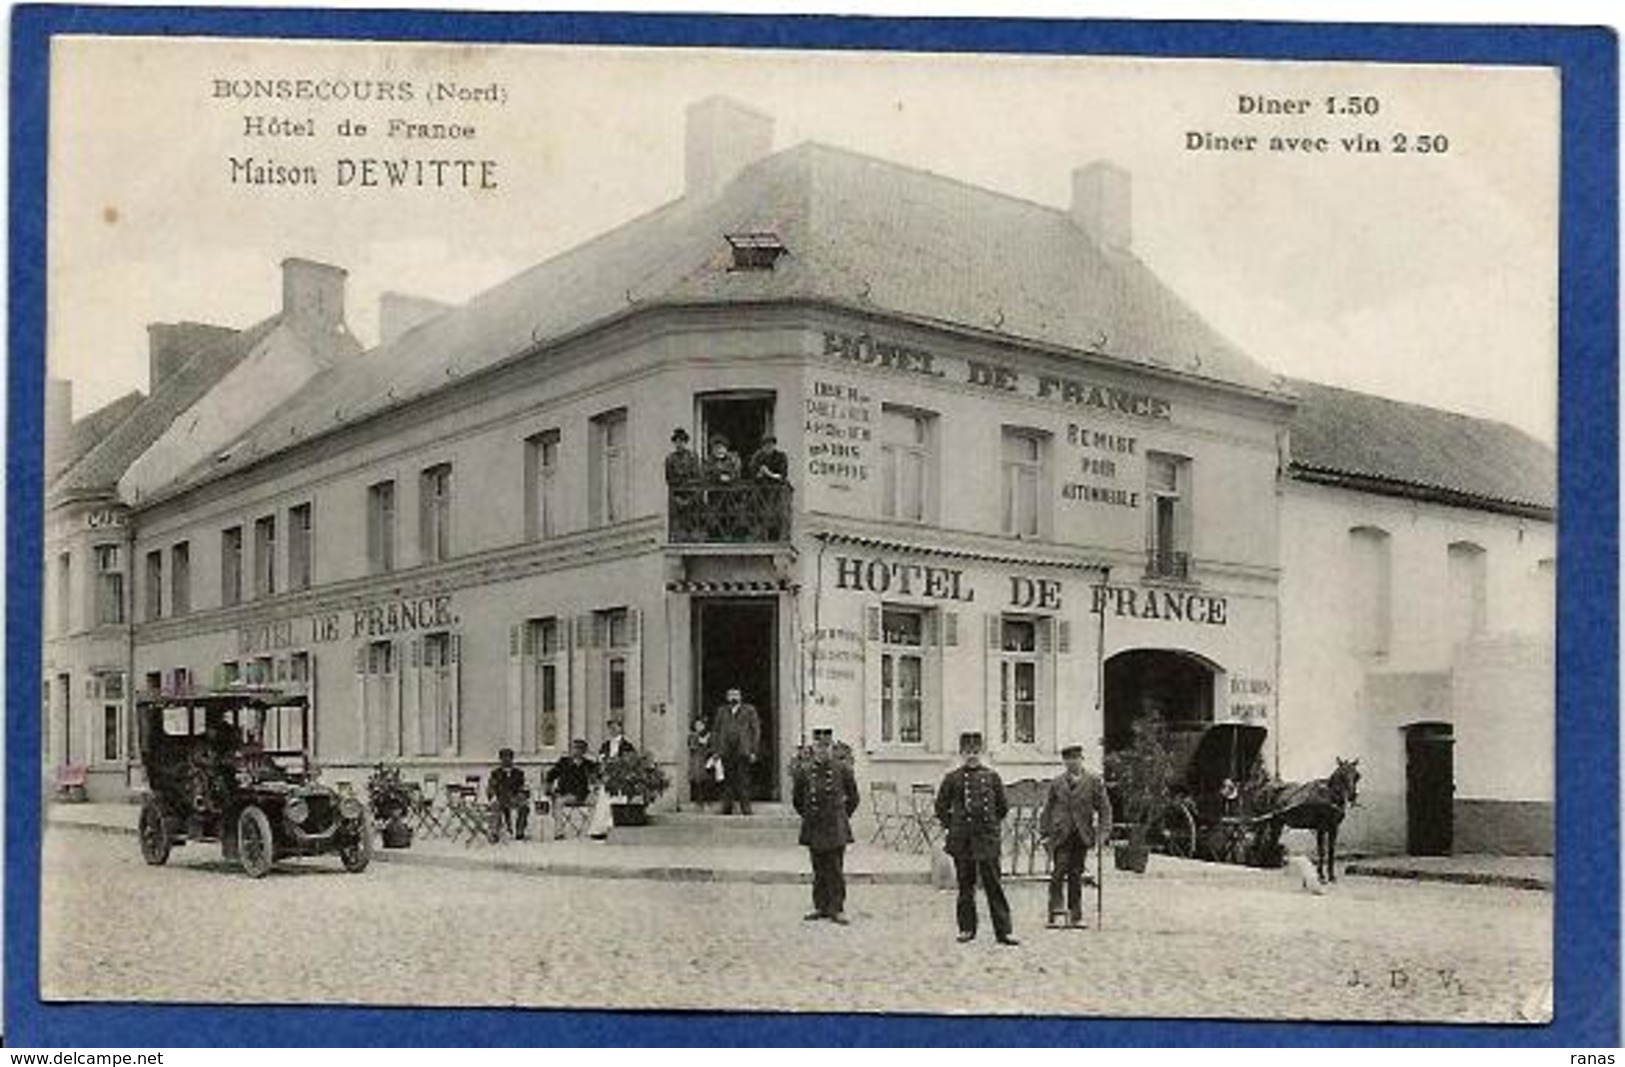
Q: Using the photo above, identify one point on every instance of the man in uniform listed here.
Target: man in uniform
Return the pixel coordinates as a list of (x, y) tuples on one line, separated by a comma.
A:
[(825, 794), (971, 806), (506, 789), (736, 731), (1075, 810)]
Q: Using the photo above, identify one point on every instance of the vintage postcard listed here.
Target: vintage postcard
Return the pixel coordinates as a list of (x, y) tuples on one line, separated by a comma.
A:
[(563, 526)]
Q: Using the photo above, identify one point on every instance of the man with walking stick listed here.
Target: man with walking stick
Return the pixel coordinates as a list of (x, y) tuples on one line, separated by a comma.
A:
[(1077, 813)]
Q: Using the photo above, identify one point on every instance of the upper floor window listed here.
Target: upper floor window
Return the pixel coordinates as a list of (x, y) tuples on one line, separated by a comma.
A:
[(1469, 607), (541, 484), (180, 578), (265, 556), (231, 566), (905, 463), (1370, 594), (1168, 494), (299, 546), (155, 585), (109, 585), (902, 675), (435, 513), (381, 527), (609, 467), (64, 592), (1022, 492)]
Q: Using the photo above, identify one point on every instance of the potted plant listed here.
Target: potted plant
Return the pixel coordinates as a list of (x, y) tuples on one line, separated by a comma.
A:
[(633, 780), (1141, 777), (391, 801)]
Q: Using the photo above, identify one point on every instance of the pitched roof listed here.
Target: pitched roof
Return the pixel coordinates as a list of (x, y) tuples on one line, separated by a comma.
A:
[(84, 434), (860, 233), (219, 352), (1386, 446)]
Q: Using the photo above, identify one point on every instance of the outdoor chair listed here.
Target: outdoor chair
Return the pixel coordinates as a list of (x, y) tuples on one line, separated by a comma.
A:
[(922, 799), (891, 821), (570, 819), (1022, 829), (427, 815)]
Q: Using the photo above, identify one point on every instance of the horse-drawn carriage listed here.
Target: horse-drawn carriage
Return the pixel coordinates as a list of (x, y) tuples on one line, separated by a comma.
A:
[(1221, 801)]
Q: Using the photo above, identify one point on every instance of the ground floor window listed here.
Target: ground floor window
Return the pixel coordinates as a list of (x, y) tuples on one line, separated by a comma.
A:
[(537, 675), (437, 693), (1018, 681), (380, 688), (902, 676)]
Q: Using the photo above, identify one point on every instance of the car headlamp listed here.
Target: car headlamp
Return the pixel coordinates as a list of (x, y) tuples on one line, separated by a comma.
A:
[(297, 810), (350, 807)]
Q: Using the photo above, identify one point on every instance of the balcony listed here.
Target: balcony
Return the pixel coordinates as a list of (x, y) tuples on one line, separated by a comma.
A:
[(735, 513), (1165, 563)]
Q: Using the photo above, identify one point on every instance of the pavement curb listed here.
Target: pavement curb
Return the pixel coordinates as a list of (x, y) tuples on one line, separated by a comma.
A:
[(1411, 874), (476, 862)]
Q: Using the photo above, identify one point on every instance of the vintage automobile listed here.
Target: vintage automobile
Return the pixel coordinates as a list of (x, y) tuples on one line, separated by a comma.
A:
[(233, 766)]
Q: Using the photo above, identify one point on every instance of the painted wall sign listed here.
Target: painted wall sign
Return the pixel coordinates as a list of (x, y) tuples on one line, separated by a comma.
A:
[(840, 424), (902, 579), (103, 518), (1250, 698), (863, 350), (1041, 593), (1103, 457), (1163, 604), (381, 619)]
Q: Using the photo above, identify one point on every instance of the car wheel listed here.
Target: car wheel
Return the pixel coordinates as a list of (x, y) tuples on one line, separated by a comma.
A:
[(256, 849), (154, 832), (358, 853)]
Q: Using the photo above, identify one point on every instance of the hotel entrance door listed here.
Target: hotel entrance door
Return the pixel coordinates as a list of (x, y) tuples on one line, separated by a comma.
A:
[(736, 644)]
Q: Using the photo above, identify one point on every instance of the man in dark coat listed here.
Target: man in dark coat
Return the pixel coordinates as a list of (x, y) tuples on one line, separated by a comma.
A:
[(736, 733), (971, 806), (825, 794), (768, 463), (507, 789), (1075, 812), (682, 465)]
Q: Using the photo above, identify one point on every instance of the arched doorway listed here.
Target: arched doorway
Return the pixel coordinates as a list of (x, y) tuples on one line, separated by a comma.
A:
[(1174, 684)]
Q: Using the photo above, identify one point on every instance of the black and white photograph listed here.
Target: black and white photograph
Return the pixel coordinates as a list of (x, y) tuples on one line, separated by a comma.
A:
[(572, 527)]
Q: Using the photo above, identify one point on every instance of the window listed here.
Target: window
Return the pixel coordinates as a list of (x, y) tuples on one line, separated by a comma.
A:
[(544, 645), (299, 545), (1468, 602), (902, 676), (1168, 492), (231, 566), (905, 463), (380, 689), (155, 585), (1018, 681), (299, 668), (155, 681), (614, 635), (261, 671), (64, 592), (381, 527), (1023, 470), (609, 467), (1370, 593), (541, 484), (64, 702), (182, 681), (180, 579), (439, 693), (435, 513), (109, 585), (230, 673), (265, 556), (110, 732), (109, 686)]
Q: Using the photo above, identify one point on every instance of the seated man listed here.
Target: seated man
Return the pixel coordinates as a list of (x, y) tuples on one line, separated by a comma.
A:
[(506, 789), (571, 778)]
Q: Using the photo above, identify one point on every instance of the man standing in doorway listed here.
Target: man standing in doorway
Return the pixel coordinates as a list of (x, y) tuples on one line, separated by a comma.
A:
[(825, 794), (1076, 806), (971, 806), (736, 731)]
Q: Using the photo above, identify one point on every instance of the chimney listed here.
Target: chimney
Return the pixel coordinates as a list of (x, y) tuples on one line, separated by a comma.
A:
[(1103, 205), (171, 344), (313, 294), (58, 409), (723, 137), (400, 312)]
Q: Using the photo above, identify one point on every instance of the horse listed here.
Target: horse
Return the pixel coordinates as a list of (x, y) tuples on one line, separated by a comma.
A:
[(1318, 805)]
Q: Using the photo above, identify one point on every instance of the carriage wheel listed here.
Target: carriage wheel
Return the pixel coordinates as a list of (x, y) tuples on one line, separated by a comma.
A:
[(154, 833), (256, 849), (1176, 829)]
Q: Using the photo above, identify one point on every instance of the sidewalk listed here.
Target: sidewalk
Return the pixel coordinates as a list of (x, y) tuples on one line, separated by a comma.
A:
[(1511, 872)]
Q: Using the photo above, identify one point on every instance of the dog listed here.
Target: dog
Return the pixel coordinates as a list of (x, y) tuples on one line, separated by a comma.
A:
[(1300, 870)]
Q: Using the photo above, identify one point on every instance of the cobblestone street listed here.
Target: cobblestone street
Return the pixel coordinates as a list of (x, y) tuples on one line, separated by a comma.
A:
[(1241, 945)]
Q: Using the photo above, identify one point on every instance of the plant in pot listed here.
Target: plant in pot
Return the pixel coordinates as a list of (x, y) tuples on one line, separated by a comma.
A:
[(1141, 778), (391, 801), (633, 780)]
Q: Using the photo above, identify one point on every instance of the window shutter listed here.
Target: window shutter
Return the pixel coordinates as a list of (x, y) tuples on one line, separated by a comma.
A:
[(365, 741), (513, 641), (872, 623), (455, 650), (92, 687), (521, 729), (1063, 636), (1046, 636), (993, 623), (930, 629), (527, 638), (994, 632), (416, 710), (361, 658), (634, 618), (950, 629), (634, 684)]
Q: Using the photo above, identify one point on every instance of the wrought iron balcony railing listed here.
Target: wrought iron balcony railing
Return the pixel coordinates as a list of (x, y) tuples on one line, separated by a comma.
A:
[(1164, 563), (734, 513)]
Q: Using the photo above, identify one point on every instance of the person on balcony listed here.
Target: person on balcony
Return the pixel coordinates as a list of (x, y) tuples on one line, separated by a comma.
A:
[(722, 467), (768, 463), (682, 465)]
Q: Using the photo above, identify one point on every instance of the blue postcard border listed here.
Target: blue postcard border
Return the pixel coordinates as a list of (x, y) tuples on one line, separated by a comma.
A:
[(1587, 916)]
